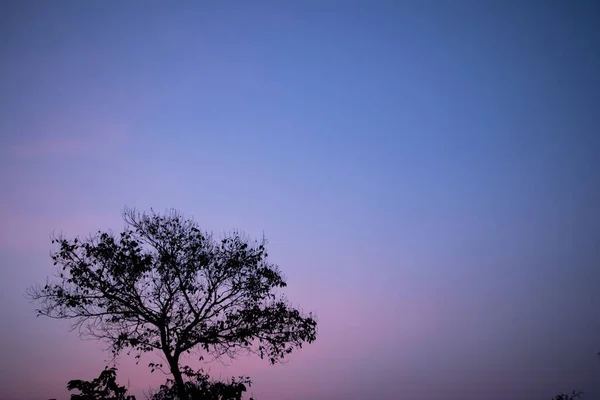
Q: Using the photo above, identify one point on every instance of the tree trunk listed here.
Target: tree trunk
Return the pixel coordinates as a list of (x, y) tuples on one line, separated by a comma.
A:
[(173, 360), (178, 378)]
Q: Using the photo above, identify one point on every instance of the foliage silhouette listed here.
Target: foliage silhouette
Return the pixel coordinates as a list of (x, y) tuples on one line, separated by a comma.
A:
[(165, 285), (199, 386), (575, 395), (104, 387)]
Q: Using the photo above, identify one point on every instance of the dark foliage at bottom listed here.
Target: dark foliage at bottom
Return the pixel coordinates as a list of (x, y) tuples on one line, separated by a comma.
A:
[(198, 386), (104, 387)]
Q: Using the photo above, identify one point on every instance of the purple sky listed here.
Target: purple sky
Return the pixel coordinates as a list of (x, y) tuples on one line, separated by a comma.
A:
[(427, 173)]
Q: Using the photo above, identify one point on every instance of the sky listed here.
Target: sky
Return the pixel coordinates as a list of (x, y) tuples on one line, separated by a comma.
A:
[(426, 172)]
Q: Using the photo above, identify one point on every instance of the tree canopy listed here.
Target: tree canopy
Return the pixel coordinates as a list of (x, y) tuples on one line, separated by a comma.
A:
[(165, 285)]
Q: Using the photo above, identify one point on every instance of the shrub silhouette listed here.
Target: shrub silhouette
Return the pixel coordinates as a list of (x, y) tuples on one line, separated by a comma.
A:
[(199, 386), (575, 395), (104, 387)]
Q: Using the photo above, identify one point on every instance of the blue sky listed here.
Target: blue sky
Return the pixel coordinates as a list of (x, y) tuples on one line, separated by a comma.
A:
[(427, 174)]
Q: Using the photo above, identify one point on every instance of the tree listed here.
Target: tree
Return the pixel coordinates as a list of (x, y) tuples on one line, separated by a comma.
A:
[(575, 395), (164, 285), (104, 387)]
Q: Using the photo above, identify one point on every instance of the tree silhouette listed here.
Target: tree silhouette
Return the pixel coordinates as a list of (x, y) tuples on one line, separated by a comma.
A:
[(165, 285), (104, 387), (575, 395)]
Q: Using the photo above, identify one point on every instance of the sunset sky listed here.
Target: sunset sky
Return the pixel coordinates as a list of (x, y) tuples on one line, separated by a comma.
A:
[(427, 174)]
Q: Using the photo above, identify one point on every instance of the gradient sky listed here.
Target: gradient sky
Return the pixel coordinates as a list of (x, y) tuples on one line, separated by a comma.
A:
[(427, 173)]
